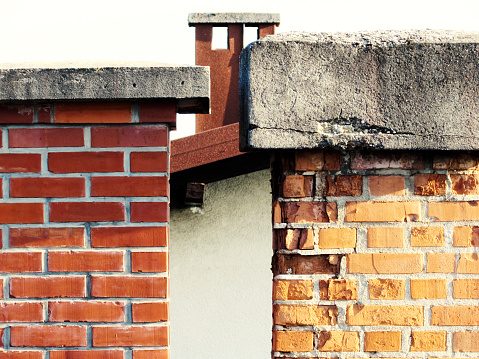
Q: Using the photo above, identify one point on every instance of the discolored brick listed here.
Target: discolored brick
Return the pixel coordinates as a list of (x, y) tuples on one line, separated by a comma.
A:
[(388, 289), (430, 184)]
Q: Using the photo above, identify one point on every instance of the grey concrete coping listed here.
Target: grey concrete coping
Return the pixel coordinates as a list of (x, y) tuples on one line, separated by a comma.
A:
[(111, 81), (224, 18), (377, 90)]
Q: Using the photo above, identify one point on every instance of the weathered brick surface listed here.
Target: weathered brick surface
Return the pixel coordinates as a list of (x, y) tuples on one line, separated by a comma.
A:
[(338, 341), (386, 264), (295, 315), (382, 341), (389, 289), (298, 186), (428, 341), (338, 289), (75, 254), (430, 185), (432, 236)]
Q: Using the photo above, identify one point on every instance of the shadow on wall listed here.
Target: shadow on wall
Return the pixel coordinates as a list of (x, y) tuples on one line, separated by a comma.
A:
[(220, 272)]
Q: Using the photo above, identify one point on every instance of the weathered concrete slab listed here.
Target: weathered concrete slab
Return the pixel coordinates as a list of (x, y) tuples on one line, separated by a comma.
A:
[(385, 90), (189, 85), (232, 18)]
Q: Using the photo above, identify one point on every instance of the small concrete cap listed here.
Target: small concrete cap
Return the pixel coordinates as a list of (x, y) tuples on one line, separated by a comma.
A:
[(224, 18), (111, 81), (372, 90)]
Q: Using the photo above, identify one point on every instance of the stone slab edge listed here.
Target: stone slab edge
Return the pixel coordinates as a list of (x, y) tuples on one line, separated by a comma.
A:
[(189, 85), (373, 90), (232, 18)]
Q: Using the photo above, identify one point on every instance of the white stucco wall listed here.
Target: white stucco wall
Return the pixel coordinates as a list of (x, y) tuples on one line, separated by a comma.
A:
[(220, 277)]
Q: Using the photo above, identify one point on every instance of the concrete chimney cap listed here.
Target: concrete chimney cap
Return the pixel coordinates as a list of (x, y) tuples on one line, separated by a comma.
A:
[(189, 86), (225, 18), (376, 90)]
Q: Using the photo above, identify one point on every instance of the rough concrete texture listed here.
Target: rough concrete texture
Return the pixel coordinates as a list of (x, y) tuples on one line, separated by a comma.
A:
[(189, 85), (232, 18), (384, 90)]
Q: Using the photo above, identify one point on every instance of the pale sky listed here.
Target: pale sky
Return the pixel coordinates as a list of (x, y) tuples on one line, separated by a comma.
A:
[(145, 30)]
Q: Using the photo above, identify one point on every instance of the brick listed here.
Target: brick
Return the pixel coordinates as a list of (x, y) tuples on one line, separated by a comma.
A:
[(386, 160), (298, 264), (468, 263), (401, 315), (21, 213), (93, 112), (385, 263), (432, 236), (110, 237), (47, 287), (387, 289), (296, 289), (151, 354), (430, 185), (338, 341), (20, 354), (158, 112), (130, 336), (465, 341), (297, 186), (454, 211), (294, 238), (1, 293), (91, 311), (428, 341), (459, 161), (294, 315), (48, 336), (338, 289), (455, 315), (80, 162), (337, 238), (45, 137), (85, 261), (129, 287), (86, 354), (18, 262), (44, 113), (21, 312), (47, 187), (382, 341), (87, 211), (150, 312), (383, 211), (466, 288), (465, 184), (129, 186), (16, 114), (441, 262), (428, 289), (385, 237), (149, 262), (465, 236), (292, 341), (315, 160), (47, 237), (1, 337), (149, 161), (149, 212), (277, 212), (386, 185), (309, 212), (338, 186), (20, 162), (130, 136)]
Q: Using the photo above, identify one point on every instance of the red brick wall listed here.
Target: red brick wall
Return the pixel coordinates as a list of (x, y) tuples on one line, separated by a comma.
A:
[(375, 254), (84, 223)]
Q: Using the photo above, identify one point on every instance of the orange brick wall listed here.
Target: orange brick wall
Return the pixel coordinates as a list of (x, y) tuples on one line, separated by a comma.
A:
[(84, 228), (375, 254)]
